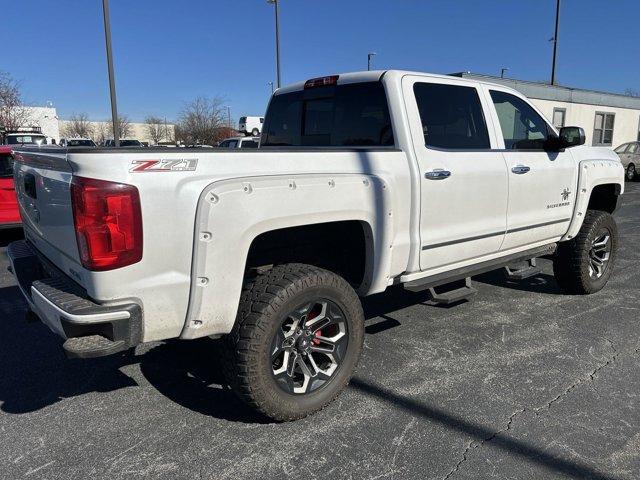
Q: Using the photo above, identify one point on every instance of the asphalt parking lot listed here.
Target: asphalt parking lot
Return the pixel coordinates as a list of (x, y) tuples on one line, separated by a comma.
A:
[(521, 382)]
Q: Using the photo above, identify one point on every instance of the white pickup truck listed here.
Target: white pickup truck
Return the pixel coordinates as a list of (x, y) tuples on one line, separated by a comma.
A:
[(362, 181)]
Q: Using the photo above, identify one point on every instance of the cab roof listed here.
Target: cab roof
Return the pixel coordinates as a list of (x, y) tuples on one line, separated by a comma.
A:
[(376, 75)]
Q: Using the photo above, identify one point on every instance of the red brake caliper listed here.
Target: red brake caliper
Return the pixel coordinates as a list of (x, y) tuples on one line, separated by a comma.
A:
[(315, 341)]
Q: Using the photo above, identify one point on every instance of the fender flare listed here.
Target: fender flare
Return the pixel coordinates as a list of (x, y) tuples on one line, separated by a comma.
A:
[(592, 173), (232, 213)]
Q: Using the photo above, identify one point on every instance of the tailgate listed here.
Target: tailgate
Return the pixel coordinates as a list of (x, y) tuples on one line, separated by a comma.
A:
[(8, 202), (9, 214), (42, 183)]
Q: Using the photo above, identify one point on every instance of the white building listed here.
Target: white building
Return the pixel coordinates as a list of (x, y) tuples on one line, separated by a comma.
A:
[(139, 131), (44, 117), (53, 127), (608, 119)]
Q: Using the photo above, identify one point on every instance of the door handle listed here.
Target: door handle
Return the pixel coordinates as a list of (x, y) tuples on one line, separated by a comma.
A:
[(520, 169), (437, 174)]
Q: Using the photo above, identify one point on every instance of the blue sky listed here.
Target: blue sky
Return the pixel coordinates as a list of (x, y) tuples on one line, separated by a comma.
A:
[(168, 52)]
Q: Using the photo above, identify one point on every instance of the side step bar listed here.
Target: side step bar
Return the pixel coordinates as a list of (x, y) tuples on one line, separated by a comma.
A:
[(455, 295), (522, 272), (433, 281)]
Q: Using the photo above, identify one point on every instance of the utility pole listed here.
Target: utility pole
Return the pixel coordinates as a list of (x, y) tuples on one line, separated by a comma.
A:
[(228, 116), (555, 44), (112, 80), (502, 70), (370, 55), (277, 13)]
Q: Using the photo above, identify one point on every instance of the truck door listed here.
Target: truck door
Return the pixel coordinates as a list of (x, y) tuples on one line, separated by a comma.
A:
[(541, 184), (463, 182)]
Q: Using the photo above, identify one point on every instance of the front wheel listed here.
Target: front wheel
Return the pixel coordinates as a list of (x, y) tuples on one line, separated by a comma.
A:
[(631, 172), (296, 342), (584, 264), (255, 132)]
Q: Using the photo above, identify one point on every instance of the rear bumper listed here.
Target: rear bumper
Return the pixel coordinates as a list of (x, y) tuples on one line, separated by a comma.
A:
[(91, 329)]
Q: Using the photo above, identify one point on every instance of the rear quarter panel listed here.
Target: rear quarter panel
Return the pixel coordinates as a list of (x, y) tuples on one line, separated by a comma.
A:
[(162, 281)]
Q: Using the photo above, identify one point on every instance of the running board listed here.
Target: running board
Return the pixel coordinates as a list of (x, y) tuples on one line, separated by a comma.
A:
[(454, 295), (524, 272), (431, 281)]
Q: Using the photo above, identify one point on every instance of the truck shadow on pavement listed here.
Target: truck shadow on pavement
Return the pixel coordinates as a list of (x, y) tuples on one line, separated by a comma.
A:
[(10, 235), (36, 374), (539, 283), (34, 371), (477, 432)]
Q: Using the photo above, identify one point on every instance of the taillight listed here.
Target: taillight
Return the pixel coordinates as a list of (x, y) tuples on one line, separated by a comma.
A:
[(108, 223), (321, 81)]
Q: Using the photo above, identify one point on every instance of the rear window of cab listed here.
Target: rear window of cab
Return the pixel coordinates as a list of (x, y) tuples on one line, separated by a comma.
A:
[(351, 115)]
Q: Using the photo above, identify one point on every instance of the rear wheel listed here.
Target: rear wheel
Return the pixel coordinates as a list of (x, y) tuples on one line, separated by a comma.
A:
[(296, 342), (631, 172), (584, 264)]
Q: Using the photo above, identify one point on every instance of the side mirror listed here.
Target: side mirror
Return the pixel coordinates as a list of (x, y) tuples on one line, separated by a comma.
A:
[(571, 136)]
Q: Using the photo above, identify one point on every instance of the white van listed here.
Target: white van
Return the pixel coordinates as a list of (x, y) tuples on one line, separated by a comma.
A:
[(251, 125)]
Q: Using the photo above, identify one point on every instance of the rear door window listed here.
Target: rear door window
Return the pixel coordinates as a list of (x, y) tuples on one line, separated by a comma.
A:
[(451, 116), (352, 115)]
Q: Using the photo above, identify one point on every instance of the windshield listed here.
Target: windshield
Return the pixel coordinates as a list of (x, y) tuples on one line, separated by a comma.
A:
[(80, 143), (621, 148), (130, 143), (6, 166), (26, 140)]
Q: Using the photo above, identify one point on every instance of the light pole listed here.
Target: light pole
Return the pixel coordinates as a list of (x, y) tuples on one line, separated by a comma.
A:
[(271, 84), (555, 44), (370, 55), (277, 13), (502, 70), (228, 116), (112, 80)]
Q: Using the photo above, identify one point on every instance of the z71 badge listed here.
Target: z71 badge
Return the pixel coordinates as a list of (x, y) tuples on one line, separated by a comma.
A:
[(179, 165)]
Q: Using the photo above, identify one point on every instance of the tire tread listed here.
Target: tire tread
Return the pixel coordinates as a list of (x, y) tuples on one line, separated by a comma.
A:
[(260, 298)]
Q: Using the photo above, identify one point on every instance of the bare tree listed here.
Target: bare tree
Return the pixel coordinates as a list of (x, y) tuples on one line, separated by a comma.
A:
[(632, 93), (156, 128), (13, 114), (124, 126), (78, 125), (201, 121), (100, 133)]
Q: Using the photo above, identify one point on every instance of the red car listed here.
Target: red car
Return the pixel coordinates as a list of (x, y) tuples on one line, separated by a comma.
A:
[(9, 214)]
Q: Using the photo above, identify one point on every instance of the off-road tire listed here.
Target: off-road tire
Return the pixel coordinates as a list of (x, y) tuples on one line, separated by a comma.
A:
[(571, 261), (631, 173), (265, 301)]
